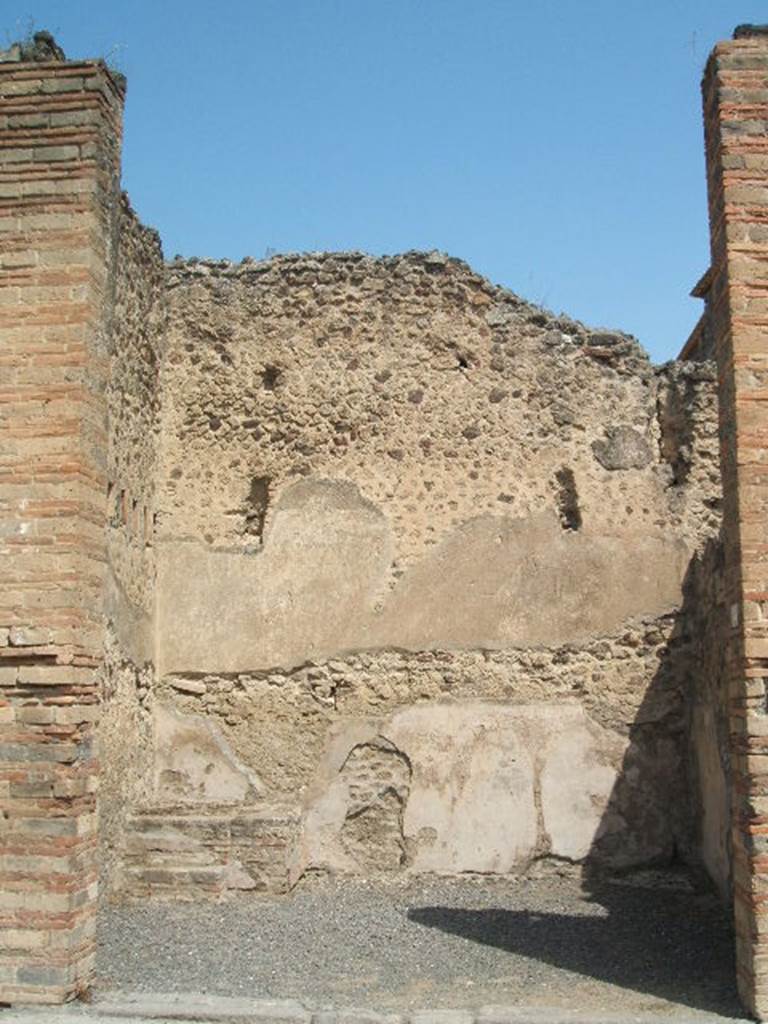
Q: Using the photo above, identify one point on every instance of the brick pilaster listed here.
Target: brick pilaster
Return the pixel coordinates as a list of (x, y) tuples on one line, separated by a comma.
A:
[(60, 126), (735, 90)]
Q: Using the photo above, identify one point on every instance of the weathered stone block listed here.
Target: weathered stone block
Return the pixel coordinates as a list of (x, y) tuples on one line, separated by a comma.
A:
[(28, 636)]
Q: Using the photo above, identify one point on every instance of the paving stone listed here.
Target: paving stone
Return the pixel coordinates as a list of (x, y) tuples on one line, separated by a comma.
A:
[(200, 1007), (442, 1017), (355, 1016)]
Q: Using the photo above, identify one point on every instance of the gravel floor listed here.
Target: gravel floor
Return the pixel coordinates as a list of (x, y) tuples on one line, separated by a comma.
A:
[(653, 945)]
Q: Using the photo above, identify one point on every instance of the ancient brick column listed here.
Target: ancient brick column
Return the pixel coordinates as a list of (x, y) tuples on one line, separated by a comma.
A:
[(735, 91), (60, 125)]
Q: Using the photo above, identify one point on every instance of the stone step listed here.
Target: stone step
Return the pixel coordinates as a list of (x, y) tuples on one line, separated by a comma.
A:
[(175, 877), (189, 852)]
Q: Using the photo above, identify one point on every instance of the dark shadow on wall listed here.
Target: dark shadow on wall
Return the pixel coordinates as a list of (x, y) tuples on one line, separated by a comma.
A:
[(639, 930)]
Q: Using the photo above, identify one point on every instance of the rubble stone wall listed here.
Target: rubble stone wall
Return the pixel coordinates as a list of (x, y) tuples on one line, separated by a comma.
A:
[(133, 406), (421, 550)]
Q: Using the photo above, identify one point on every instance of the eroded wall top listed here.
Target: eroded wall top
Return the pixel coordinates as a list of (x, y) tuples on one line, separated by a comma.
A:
[(363, 452)]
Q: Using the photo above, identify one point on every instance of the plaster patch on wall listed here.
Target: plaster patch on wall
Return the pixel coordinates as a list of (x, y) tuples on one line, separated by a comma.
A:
[(195, 764), (320, 586), (324, 562), (491, 787)]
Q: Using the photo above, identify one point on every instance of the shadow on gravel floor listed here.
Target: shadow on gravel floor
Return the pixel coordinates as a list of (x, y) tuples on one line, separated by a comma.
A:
[(674, 946), (439, 943)]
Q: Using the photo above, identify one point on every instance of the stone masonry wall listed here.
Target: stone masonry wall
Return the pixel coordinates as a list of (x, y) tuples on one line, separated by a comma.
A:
[(60, 126), (133, 404), (420, 557)]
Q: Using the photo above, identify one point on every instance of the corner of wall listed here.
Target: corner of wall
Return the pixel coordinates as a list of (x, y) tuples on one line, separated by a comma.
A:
[(735, 93)]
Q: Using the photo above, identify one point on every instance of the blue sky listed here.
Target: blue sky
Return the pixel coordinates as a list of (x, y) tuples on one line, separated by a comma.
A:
[(555, 146)]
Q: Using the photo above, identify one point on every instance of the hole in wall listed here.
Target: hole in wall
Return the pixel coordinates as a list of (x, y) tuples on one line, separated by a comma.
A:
[(378, 778), (270, 377), (113, 505), (256, 505), (568, 499)]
